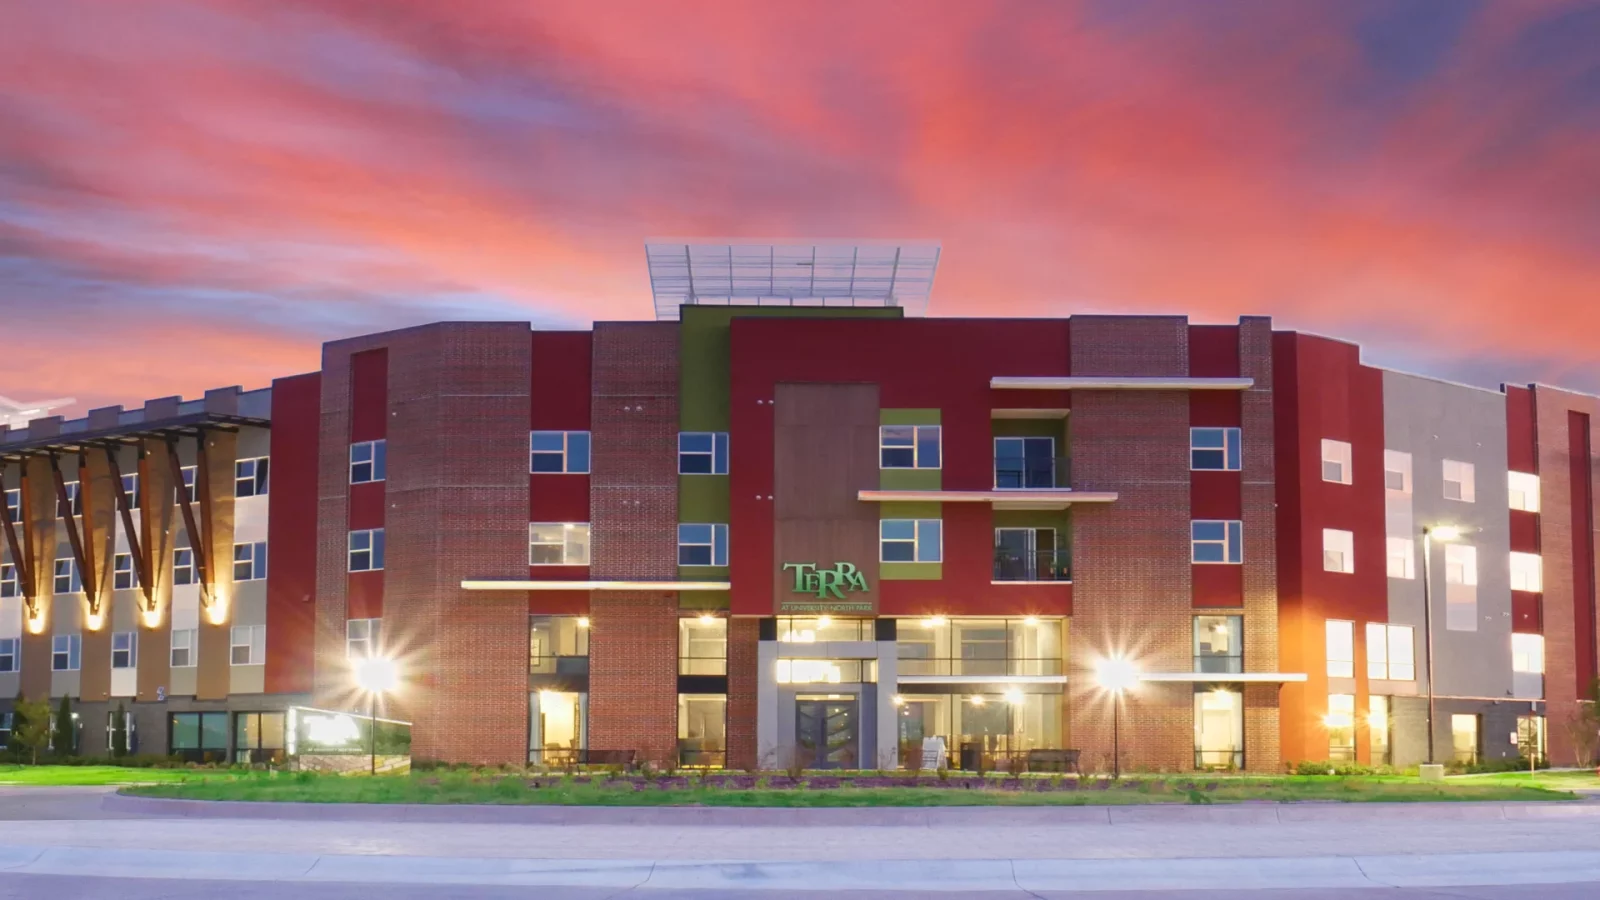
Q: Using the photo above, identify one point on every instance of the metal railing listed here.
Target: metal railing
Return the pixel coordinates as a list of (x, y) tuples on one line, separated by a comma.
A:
[(558, 665), (1038, 565), (979, 668), (1219, 663), (1040, 472)]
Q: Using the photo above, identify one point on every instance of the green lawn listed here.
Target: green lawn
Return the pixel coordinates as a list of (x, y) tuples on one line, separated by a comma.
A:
[(497, 789), (1576, 780), (64, 776)]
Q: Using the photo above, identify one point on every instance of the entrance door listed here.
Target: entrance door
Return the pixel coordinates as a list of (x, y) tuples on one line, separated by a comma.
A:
[(825, 732)]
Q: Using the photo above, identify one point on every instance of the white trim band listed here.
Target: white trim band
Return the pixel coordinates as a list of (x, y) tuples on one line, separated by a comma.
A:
[(513, 585), (1228, 677), (1118, 383), (980, 679)]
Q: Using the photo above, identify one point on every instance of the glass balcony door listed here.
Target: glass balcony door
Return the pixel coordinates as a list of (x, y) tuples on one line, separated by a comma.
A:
[(1021, 463)]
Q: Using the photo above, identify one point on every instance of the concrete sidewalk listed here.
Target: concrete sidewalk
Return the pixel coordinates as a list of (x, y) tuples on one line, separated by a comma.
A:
[(901, 876)]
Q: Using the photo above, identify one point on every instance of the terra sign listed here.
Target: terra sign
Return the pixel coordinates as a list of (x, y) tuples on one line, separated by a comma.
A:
[(809, 579)]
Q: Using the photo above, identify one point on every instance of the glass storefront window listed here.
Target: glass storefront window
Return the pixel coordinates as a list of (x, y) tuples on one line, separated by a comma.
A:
[(1464, 737), (703, 646), (199, 737), (1378, 724), (1531, 737), (994, 730), (980, 647), (703, 730), (823, 628), (558, 645), (558, 726), (1218, 728), (1219, 644), (258, 737), (826, 671), (1341, 723)]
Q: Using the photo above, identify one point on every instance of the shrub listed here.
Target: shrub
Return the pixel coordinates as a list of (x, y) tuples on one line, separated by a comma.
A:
[(66, 736), (119, 733), (1341, 768)]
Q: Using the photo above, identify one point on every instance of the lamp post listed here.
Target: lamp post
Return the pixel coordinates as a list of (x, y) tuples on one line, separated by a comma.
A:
[(376, 675), (1443, 534), (1116, 675)]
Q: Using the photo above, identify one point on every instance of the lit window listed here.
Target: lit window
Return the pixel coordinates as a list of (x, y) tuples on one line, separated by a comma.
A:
[(1458, 481), (124, 650), (1527, 653), (1524, 491), (910, 540), (130, 490), (1336, 461), (68, 579), (558, 543), (558, 452), (1338, 551), (1214, 449), (1527, 572), (1341, 723), (361, 637), (369, 461), (702, 544), (64, 650), (250, 561), (1397, 471), (1402, 558), (703, 453), (9, 586), (1341, 650), (123, 576), (1219, 643), (1464, 737), (1460, 564), (908, 447), (247, 645), (13, 504), (10, 654), (250, 477), (1391, 652), (183, 566), (74, 503), (183, 648), (366, 550), (1216, 541)]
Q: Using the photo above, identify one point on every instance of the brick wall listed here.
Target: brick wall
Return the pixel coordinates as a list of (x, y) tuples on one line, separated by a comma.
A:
[(633, 641), (1258, 495), (743, 647)]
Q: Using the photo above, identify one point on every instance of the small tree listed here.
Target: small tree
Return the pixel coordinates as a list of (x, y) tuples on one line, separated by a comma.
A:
[(1583, 725), (30, 726), (66, 735), (119, 733)]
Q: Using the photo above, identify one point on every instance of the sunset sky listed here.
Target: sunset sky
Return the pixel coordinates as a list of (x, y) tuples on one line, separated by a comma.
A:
[(195, 194)]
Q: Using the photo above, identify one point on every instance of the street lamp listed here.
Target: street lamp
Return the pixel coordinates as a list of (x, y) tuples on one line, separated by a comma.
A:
[(377, 675), (1443, 534), (1116, 674)]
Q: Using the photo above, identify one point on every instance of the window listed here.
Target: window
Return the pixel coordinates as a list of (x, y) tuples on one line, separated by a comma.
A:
[(366, 550), (247, 645), (1341, 649), (1464, 737), (1214, 449), (702, 544), (908, 447), (64, 650), (184, 651), (1527, 572), (1391, 652), (74, 504), (702, 730), (1378, 729), (1338, 551), (5, 729), (1216, 541), (1531, 737), (123, 576), (124, 650), (188, 485), (558, 543), (68, 579), (1218, 727), (9, 585), (1025, 462), (361, 638), (703, 646), (1341, 722), (369, 461), (703, 453), (258, 737), (250, 561), (558, 452), (1029, 554), (1460, 564), (13, 504), (130, 490), (10, 655), (1458, 483), (558, 645), (1336, 461), (1219, 644), (1524, 491), (1402, 558), (1397, 471), (183, 566), (910, 540), (250, 477), (197, 736), (1527, 653)]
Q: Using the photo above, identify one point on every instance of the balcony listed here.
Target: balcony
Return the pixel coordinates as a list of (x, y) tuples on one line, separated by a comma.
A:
[(1032, 473), (559, 665), (1039, 565)]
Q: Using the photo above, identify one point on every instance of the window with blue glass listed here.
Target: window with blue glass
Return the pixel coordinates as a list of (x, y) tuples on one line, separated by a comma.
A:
[(908, 447), (1024, 462), (1216, 541), (703, 453), (369, 461), (702, 544), (1214, 449), (910, 540), (366, 550), (558, 452)]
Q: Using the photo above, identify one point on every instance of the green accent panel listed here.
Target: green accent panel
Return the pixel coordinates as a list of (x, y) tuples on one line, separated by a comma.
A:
[(903, 571), (908, 417), (910, 510), (703, 498), (910, 479), (1055, 428), (703, 344), (703, 573), (703, 600)]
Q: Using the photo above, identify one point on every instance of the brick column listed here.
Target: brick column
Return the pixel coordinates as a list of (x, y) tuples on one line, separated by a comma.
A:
[(1259, 505), (743, 651)]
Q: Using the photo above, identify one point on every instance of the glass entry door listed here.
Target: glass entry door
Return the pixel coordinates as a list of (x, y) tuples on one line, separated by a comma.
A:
[(826, 732)]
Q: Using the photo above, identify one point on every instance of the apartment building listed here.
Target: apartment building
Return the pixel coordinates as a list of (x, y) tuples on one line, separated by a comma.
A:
[(794, 519)]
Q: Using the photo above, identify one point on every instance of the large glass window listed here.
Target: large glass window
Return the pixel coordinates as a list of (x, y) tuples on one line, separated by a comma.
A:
[(1391, 652), (558, 732), (558, 452), (558, 645), (910, 540), (702, 544), (199, 736), (1531, 737), (1464, 738), (1378, 724), (703, 646), (1028, 554), (258, 737), (980, 647), (1218, 728), (1341, 648), (702, 453), (1214, 449), (703, 730), (822, 629), (1219, 644), (1025, 462), (908, 447), (558, 543), (1341, 723), (992, 730), (1216, 541)]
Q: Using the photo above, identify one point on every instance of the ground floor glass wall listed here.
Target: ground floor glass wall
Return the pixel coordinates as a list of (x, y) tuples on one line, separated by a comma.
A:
[(703, 730), (1218, 728), (558, 727), (992, 729)]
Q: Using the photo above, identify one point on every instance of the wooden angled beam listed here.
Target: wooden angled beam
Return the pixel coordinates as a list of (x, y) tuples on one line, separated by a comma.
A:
[(196, 538), (141, 566), (63, 502), (19, 559)]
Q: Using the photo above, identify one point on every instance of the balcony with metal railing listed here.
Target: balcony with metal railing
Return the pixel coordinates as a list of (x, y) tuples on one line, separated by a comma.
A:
[(1032, 473), (1038, 565)]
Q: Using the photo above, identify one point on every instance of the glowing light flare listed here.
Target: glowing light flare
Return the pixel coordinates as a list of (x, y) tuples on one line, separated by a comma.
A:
[(1014, 697), (1444, 533), (1116, 673), (377, 674), (583, 621)]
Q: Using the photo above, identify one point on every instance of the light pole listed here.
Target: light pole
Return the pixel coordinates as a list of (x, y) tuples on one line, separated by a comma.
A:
[(1443, 534), (376, 675), (1116, 675)]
